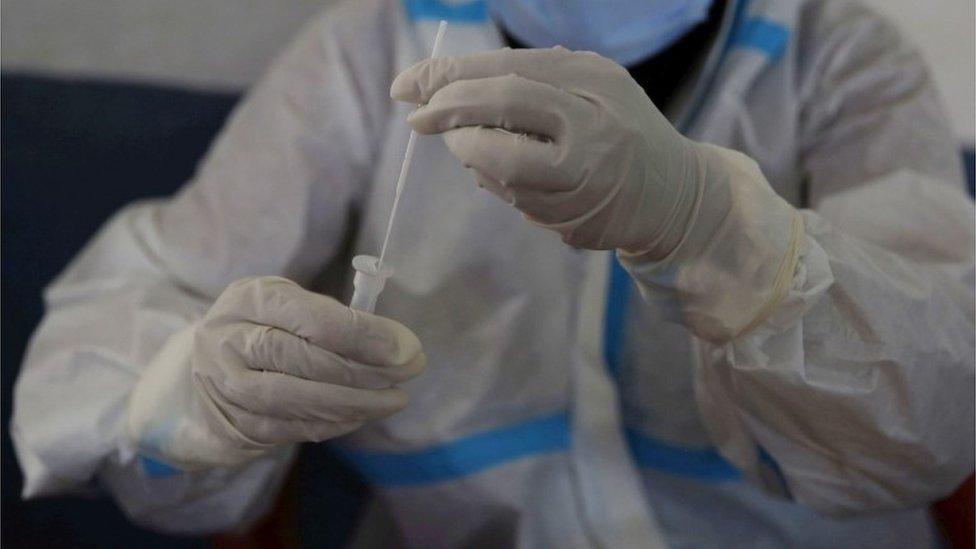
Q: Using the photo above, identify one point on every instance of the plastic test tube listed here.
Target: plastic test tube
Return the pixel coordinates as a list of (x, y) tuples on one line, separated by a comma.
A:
[(371, 272), (370, 278)]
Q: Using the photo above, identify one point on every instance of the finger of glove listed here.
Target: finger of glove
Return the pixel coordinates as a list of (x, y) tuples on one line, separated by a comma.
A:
[(536, 206), (287, 397), (494, 187), (515, 161), (323, 321), (275, 350), (420, 82), (509, 102), (551, 210), (250, 429)]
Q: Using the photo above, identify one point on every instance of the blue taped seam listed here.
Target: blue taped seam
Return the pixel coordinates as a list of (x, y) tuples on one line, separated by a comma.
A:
[(701, 464), (157, 469), (460, 12), (706, 463), (618, 292), (761, 34), (464, 456), (649, 453)]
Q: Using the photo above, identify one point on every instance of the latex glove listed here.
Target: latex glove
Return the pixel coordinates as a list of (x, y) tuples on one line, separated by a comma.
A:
[(272, 364), (568, 138), (571, 140)]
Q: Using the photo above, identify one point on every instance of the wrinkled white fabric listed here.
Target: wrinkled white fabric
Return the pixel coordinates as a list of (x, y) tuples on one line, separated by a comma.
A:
[(269, 364), (858, 383)]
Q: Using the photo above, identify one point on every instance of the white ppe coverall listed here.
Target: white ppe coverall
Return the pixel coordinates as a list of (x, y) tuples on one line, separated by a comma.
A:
[(561, 406)]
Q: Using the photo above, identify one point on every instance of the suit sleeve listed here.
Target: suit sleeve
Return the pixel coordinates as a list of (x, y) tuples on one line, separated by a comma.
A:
[(859, 386), (849, 384), (272, 197)]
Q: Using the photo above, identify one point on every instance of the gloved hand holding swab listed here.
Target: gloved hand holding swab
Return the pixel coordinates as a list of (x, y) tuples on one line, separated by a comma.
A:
[(371, 272)]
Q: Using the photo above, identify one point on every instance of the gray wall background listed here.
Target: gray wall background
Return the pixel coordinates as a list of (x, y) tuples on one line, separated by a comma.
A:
[(225, 44), (209, 44)]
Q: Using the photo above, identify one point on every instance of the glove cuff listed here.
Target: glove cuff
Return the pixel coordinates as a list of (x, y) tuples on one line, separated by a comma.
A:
[(738, 255), (165, 419)]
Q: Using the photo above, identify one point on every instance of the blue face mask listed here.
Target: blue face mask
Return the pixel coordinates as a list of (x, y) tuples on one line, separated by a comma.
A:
[(626, 31)]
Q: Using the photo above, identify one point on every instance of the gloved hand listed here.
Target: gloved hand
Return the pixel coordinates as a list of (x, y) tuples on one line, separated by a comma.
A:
[(571, 140), (568, 138), (273, 364)]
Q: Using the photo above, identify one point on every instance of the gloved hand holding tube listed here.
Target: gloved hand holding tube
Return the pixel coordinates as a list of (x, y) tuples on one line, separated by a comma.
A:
[(574, 143), (273, 364), (269, 364)]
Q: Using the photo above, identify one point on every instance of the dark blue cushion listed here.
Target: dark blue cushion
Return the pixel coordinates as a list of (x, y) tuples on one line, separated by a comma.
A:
[(74, 152)]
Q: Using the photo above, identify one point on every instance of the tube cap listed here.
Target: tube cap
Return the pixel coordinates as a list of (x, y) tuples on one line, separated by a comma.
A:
[(369, 281)]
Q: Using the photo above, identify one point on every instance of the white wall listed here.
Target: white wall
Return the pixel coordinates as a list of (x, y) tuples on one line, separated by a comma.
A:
[(227, 43), (204, 43)]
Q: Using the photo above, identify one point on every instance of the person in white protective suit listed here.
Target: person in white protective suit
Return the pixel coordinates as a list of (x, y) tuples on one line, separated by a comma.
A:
[(742, 316)]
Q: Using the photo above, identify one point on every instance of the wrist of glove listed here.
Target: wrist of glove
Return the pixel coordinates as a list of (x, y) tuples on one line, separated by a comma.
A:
[(269, 365), (737, 259)]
